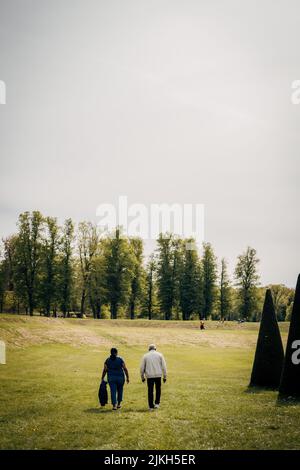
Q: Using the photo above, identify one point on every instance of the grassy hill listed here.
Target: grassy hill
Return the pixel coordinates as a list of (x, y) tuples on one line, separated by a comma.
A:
[(50, 383)]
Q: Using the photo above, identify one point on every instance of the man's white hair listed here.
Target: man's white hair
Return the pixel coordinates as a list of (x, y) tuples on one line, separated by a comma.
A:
[(151, 347)]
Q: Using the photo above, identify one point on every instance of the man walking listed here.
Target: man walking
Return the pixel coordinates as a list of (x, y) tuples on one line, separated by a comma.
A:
[(154, 367)]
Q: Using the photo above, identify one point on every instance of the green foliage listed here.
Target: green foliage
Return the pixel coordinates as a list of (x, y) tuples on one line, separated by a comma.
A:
[(9, 249), (283, 298), (56, 270), (88, 243), (49, 270), (119, 271), (11, 283), (97, 288), (209, 269), (190, 282), (168, 272), (10, 301), (150, 291), (136, 245), (225, 293), (66, 267), (247, 279), (28, 256)]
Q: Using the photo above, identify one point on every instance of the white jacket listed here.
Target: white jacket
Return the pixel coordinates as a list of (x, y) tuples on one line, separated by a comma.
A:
[(153, 365)]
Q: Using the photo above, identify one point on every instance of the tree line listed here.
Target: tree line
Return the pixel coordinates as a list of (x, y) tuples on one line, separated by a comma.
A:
[(57, 270)]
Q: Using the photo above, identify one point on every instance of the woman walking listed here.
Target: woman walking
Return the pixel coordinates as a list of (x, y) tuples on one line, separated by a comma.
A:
[(114, 367)]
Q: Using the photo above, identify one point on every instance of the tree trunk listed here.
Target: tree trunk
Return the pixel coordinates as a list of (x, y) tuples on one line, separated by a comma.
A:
[(150, 302), (98, 311), (132, 310), (168, 314), (82, 303), (30, 302), (31, 310), (113, 311)]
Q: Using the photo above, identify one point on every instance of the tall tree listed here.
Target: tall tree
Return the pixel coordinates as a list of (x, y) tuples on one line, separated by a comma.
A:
[(136, 245), (15, 285), (200, 289), (49, 278), (167, 272), (9, 244), (177, 263), (28, 254), (7, 271), (150, 286), (225, 303), (119, 266), (88, 239), (189, 281), (97, 286), (66, 267), (247, 279), (209, 269)]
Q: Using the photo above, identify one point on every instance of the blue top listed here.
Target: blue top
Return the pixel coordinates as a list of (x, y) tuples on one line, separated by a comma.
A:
[(115, 368)]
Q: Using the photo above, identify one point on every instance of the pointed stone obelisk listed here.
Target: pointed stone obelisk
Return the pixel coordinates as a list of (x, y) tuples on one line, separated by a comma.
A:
[(290, 380), (269, 354)]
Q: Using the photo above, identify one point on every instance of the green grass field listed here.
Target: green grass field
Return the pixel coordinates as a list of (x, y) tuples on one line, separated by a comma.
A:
[(50, 383)]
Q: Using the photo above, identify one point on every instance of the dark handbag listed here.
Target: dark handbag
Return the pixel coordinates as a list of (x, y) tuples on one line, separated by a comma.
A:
[(102, 394)]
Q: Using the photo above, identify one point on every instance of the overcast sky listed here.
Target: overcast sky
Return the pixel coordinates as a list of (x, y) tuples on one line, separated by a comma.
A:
[(162, 101)]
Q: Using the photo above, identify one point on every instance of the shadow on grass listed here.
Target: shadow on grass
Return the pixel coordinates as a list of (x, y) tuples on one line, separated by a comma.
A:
[(109, 410), (256, 389), (283, 400)]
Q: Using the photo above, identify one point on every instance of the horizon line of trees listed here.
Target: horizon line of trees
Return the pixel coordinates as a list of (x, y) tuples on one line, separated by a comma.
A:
[(55, 270)]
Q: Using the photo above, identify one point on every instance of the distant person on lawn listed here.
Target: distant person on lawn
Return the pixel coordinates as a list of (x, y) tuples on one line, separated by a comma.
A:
[(115, 367), (154, 367)]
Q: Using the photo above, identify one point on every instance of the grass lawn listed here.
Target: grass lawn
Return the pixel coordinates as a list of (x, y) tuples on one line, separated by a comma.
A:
[(50, 383)]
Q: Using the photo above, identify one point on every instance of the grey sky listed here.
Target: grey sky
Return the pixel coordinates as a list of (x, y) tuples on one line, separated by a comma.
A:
[(162, 101)]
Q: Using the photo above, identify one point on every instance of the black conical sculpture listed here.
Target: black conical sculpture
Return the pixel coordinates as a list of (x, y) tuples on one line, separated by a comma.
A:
[(290, 380), (269, 354)]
